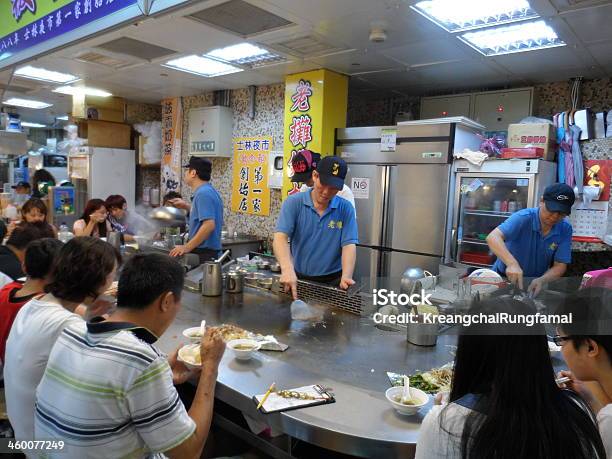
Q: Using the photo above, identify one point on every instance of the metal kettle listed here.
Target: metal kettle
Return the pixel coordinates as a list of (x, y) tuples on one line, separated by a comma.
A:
[(212, 280), (235, 282)]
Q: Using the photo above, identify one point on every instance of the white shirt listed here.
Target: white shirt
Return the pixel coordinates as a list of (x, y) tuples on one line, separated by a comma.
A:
[(36, 328), (604, 420), (437, 443), (345, 193)]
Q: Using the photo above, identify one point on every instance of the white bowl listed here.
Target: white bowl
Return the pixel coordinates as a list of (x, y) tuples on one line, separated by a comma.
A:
[(393, 392), (193, 334), (187, 354), (243, 354)]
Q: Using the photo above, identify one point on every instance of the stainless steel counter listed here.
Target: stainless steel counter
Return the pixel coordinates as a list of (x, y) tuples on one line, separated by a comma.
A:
[(345, 352)]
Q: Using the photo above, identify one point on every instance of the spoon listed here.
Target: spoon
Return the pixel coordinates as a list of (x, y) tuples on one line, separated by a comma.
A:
[(406, 394), (202, 328)]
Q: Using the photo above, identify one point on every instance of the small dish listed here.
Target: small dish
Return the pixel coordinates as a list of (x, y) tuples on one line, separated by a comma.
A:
[(265, 282), (393, 392), (243, 349), (189, 354), (193, 334)]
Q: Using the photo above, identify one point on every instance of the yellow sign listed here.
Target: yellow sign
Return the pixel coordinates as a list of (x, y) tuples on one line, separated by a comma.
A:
[(250, 192), (315, 105), (172, 135)]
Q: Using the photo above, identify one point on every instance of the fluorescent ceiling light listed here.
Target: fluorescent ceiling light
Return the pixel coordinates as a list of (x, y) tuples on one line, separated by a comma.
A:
[(516, 38), (62, 118), (36, 73), (202, 66), (245, 54), (27, 103), (32, 125), (458, 16), (82, 90)]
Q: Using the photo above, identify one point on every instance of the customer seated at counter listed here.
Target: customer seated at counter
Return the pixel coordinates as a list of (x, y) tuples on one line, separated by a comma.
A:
[(322, 230), (94, 221), (34, 211), (39, 258), (84, 270), (536, 243), (303, 164), (504, 401), (205, 212), (586, 345), (12, 254), (145, 416), (118, 216)]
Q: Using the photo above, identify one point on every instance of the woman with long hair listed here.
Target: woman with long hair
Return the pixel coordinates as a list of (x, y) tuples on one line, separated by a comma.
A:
[(41, 178), (504, 402), (93, 222)]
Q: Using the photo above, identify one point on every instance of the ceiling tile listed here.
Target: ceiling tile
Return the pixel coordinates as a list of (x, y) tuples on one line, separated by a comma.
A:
[(315, 11), (533, 61), (427, 51), (401, 24), (592, 24), (367, 62), (602, 52)]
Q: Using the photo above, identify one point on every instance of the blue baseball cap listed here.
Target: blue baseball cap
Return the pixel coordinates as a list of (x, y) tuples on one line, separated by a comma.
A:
[(559, 197), (332, 171)]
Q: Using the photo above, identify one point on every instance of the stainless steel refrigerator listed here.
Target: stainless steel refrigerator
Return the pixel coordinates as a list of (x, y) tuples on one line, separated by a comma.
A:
[(403, 198)]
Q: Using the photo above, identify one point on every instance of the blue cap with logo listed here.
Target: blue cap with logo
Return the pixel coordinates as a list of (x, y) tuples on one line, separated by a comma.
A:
[(559, 197), (332, 171)]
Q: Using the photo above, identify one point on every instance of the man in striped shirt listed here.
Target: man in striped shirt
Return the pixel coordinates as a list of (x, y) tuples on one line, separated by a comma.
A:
[(108, 392)]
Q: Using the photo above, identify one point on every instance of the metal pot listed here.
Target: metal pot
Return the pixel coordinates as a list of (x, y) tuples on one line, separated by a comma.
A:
[(212, 281), (235, 282)]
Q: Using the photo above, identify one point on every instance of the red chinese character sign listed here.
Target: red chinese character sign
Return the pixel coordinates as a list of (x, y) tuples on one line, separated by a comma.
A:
[(315, 105), (172, 135), (250, 191)]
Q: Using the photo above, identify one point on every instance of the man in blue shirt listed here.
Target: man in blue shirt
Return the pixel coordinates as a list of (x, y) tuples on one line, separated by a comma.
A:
[(205, 212), (536, 243), (322, 230)]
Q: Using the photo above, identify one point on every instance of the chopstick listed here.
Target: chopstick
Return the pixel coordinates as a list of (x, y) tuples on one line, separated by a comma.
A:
[(563, 380), (267, 394)]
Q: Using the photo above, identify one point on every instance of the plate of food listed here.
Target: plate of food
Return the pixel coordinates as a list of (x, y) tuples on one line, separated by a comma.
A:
[(431, 382)]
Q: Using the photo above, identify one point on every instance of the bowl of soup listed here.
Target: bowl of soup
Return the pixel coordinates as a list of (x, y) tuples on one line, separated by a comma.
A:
[(193, 334), (243, 349), (409, 407), (190, 356)]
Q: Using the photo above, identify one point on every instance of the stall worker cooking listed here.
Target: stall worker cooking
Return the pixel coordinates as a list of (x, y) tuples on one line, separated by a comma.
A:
[(303, 163), (536, 243), (205, 212), (322, 230)]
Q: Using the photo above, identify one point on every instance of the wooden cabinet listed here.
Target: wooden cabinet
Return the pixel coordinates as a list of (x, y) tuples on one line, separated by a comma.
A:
[(493, 109)]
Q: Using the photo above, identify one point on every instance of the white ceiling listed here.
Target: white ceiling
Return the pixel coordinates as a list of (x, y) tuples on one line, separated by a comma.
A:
[(417, 57)]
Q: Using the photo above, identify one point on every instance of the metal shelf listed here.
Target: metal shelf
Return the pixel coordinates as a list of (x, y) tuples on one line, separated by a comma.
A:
[(478, 265), (473, 241), (486, 213)]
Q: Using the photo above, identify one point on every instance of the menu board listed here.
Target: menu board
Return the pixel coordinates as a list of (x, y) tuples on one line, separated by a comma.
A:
[(250, 190)]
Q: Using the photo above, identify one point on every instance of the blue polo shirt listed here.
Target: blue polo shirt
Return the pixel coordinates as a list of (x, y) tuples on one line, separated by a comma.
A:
[(534, 252), (316, 242), (206, 204)]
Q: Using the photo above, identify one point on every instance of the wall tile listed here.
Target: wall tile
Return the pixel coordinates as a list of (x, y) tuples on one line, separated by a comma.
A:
[(269, 113)]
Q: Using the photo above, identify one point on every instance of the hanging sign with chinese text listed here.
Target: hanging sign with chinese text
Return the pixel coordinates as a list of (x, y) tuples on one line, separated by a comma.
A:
[(250, 191), (315, 105), (27, 23), (172, 135)]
